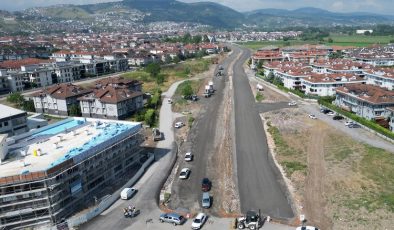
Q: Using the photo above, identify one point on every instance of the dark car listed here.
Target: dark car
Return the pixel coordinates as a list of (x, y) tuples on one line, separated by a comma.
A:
[(206, 185), (354, 125), (325, 111), (337, 117)]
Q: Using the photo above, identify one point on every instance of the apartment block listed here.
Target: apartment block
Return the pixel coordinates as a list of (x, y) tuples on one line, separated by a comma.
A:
[(53, 172), (12, 121), (58, 98), (366, 101)]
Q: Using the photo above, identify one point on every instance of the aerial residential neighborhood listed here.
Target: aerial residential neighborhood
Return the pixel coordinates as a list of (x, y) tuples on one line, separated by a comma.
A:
[(187, 114)]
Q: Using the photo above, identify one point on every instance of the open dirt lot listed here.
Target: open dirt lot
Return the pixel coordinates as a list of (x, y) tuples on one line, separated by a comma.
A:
[(338, 183)]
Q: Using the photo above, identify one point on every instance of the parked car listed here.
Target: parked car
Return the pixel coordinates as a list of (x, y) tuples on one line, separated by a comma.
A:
[(185, 172), (347, 123), (311, 116), (292, 103), (179, 125), (169, 101), (206, 200), (331, 113), (172, 218), (325, 111), (199, 221), (307, 228), (337, 117), (354, 125), (127, 193), (188, 156), (206, 185), (194, 98)]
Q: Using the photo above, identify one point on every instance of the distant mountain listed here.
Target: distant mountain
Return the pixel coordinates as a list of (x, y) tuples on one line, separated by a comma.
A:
[(207, 13), (310, 16)]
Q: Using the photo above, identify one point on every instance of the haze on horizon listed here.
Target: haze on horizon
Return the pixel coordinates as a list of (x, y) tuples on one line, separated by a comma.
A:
[(371, 6)]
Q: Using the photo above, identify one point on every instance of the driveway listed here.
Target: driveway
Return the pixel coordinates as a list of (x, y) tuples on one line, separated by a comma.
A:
[(258, 180), (146, 198)]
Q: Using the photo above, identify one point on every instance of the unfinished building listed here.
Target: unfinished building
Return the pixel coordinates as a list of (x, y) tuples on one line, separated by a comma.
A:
[(50, 173)]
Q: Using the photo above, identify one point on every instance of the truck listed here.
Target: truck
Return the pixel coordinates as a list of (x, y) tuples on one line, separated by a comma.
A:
[(156, 134), (207, 92)]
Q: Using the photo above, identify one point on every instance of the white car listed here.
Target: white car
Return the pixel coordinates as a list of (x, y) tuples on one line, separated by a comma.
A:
[(311, 116), (347, 123), (188, 156), (307, 228), (185, 172), (292, 103), (331, 113), (179, 125), (169, 101), (199, 221)]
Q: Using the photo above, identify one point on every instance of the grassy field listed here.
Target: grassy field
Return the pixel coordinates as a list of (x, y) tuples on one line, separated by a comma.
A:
[(171, 74), (338, 40), (255, 45), (358, 178)]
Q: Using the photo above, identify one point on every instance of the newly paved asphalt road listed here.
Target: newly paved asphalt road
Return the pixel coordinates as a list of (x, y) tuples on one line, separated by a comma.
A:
[(258, 184), (186, 194)]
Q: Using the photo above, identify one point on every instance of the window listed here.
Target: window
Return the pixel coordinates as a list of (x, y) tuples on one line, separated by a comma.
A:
[(6, 123)]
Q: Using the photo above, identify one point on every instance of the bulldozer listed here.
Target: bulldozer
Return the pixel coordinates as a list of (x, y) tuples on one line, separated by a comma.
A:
[(251, 220)]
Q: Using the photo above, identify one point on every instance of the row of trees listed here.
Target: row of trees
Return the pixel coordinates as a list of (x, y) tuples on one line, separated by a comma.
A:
[(187, 39), (18, 100)]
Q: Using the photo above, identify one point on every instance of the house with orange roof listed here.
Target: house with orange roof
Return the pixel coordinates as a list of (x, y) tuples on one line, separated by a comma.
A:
[(326, 84), (58, 99), (111, 102), (368, 101), (383, 77)]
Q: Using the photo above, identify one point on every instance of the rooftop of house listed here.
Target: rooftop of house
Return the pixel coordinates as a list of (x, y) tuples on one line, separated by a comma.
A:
[(19, 63), (111, 94), (6, 111), (72, 139), (62, 91), (332, 78), (383, 72), (117, 81), (369, 93)]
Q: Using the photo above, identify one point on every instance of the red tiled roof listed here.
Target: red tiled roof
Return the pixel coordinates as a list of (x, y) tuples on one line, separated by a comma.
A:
[(370, 93), (62, 91), (111, 95), (18, 63)]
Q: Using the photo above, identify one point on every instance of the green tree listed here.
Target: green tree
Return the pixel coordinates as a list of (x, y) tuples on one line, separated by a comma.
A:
[(197, 39), (75, 111), (200, 54), (153, 69), (330, 40), (367, 33), (155, 100), (16, 98), (160, 79), (187, 90), (176, 59), (150, 117), (29, 106)]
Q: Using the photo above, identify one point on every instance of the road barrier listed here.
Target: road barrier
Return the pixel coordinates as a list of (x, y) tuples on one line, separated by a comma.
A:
[(106, 203)]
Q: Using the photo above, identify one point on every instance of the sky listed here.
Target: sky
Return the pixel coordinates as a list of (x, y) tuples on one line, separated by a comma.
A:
[(373, 6)]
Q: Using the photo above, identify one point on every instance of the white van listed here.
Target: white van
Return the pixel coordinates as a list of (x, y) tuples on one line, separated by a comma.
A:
[(127, 193)]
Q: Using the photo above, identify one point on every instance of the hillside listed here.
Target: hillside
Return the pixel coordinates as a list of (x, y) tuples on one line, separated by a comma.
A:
[(310, 16)]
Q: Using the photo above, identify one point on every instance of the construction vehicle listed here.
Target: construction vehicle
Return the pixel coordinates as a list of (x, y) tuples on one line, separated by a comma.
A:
[(251, 220)]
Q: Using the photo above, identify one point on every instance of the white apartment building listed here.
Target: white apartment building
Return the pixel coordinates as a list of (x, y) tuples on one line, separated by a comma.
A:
[(383, 77), (326, 84)]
